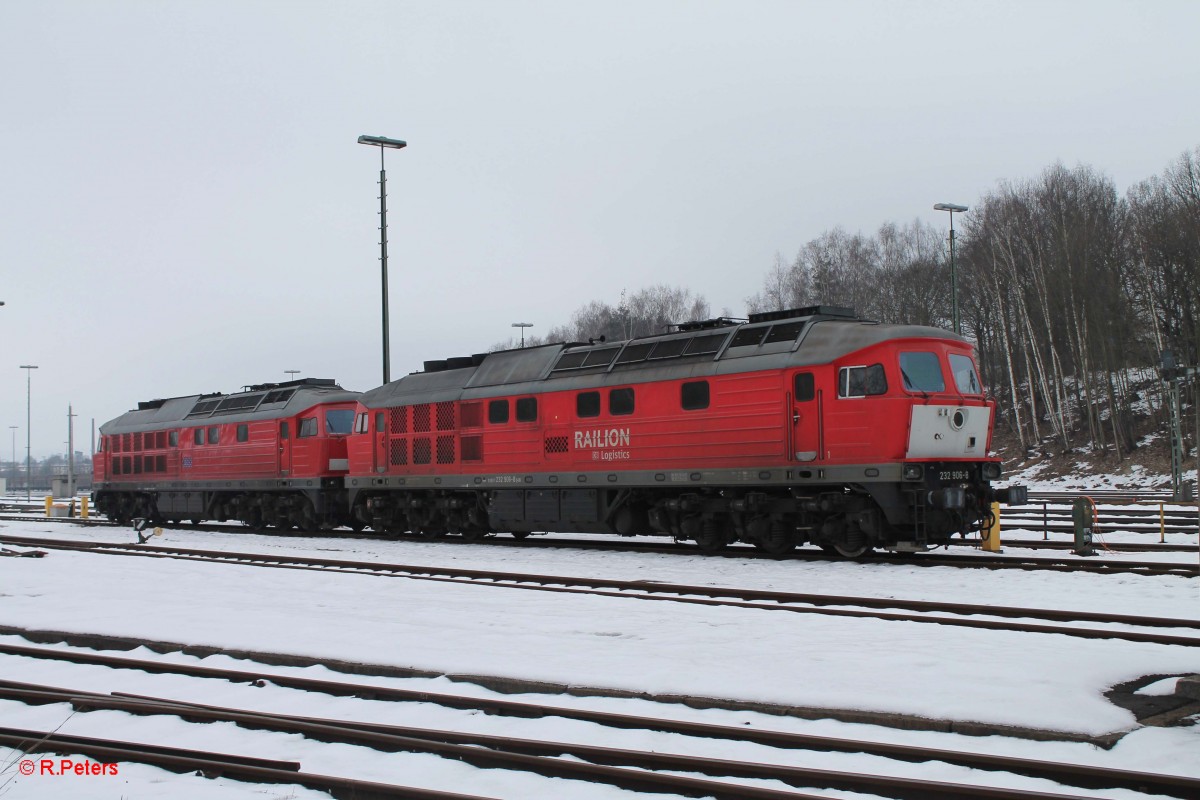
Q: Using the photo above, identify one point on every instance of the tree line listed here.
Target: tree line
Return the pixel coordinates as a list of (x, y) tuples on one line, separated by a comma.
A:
[(1069, 289)]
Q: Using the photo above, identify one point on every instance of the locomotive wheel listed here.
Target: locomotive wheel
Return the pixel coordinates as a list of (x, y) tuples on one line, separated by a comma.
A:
[(712, 538), (520, 534), (773, 536), (852, 544), (847, 551), (357, 525)]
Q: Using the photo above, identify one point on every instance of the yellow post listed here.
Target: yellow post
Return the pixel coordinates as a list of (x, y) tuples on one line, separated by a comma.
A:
[(49, 504), (83, 507), (991, 541)]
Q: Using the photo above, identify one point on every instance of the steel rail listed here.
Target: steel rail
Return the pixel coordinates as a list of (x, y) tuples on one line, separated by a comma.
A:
[(1073, 774), (604, 763), (699, 595), (213, 764)]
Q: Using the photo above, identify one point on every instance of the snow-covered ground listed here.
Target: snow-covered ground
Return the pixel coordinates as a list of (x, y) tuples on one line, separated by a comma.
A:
[(1045, 681)]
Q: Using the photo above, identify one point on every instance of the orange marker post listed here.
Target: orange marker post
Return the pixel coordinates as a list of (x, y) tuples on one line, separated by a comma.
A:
[(991, 540)]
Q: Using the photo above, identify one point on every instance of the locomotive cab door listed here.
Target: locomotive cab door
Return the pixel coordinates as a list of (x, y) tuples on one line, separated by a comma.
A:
[(806, 418), (285, 448)]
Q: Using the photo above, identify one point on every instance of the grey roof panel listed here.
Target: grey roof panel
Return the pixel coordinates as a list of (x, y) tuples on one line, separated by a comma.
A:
[(173, 413)]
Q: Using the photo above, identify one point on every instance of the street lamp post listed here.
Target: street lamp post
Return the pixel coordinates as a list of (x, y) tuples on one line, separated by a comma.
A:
[(522, 326), (13, 428), (29, 368), (952, 207), (383, 143)]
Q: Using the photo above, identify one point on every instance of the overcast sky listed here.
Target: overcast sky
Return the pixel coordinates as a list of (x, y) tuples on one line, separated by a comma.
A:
[(184, 207)]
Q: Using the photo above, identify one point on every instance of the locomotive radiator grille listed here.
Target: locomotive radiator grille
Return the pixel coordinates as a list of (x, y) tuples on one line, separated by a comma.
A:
[(445, 449)]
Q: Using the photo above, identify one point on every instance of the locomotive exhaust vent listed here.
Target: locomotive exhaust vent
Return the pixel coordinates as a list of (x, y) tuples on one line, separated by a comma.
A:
[(398, 452), (398, 420)]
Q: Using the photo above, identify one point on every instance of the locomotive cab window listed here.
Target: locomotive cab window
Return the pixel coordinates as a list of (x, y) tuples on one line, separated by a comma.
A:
[(922, 372), (243, 432), (198, 436), (362, 422), (587, 404), (284, 432), (694, 395), (338, 421), (964, 374), (620, 402), (308, 427), (214, 435), (527, 409), (498, 412), (862, 381), (174, 438), (804, 387)]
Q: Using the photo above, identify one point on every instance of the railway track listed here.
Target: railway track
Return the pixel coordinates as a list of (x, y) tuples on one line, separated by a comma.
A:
[(932, 558), (637, 770), (1185, 632)]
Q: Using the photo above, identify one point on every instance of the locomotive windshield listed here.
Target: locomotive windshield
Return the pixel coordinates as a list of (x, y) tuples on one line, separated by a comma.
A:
[(922, 372), (339, 420), (964, 374)]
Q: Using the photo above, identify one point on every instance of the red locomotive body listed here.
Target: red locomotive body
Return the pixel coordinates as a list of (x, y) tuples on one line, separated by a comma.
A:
[(809, 425), (274, 454)]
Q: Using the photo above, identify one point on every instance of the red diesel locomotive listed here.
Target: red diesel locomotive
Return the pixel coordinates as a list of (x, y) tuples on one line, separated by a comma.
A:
[(799, 426), (274, 454)]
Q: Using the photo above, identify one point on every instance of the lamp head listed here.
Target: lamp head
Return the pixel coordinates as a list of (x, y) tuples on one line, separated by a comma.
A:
[(382, 141)]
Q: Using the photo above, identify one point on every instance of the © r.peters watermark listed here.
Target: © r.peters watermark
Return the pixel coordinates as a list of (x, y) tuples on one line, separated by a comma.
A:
[(65, 766)]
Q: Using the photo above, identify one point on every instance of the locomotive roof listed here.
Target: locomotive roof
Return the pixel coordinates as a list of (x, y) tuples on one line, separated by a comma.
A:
[(263, 401), (775, 340)]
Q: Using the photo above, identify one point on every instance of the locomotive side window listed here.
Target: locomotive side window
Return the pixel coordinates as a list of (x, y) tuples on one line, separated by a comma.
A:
[(922, 372), (174, 438), (308, 427), (964, 374), (587, 404), (527, 409), (198, 436), (284, 433), (804, 386), (620, 402), (694, 395), (361, 422), (862, 381), (379, 428), (243, 432), (214, 435), (498, 412)]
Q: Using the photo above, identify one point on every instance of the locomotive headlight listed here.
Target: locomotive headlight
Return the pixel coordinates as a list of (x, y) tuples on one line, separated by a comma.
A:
[(913, 472), (991, 471), (958, 419)]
